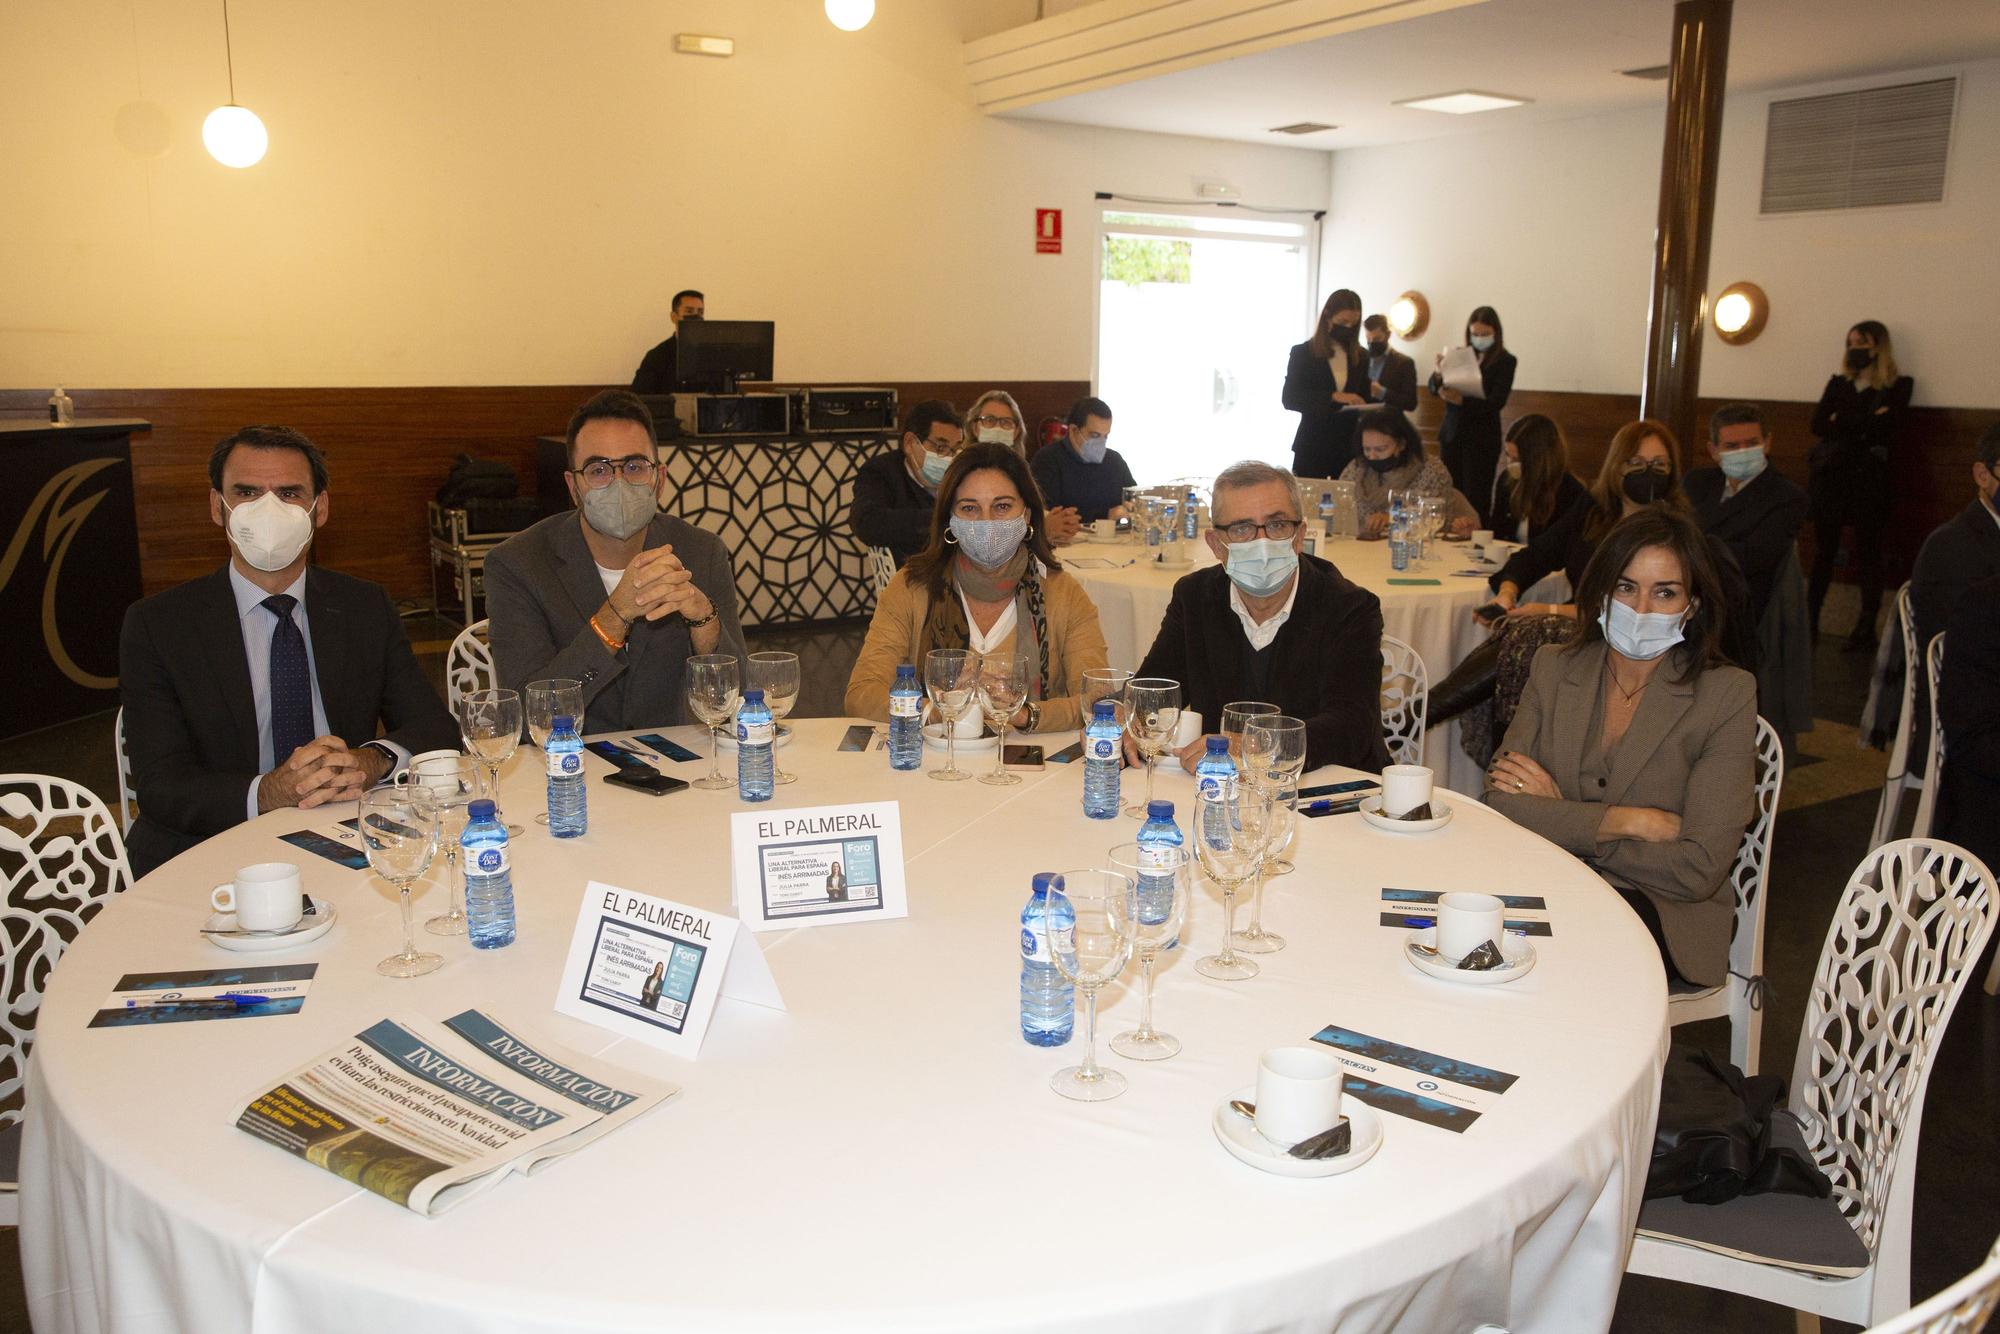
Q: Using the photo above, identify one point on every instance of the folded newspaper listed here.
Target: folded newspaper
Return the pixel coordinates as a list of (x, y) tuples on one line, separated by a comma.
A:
[(428, 1115)]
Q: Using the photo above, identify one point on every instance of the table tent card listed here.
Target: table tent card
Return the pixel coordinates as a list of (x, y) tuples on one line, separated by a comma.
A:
[(655, 970), (1409, 1081), (818, 866)]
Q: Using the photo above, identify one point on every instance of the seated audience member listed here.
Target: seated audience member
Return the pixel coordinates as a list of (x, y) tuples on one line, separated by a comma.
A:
[(1535, 488), (656, 370), (616, 595), (1635, 744), (1083, 479), (1392, 459), (895, 493), (1969, 711), (1746, 503), (264, 684), (1392, 377), (995, 419), (1963, 550), (987, 581), (1270, 624)]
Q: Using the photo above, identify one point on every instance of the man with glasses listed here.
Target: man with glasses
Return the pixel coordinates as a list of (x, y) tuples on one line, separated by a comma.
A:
[(1270, 624), (895, 492), (617, 595)]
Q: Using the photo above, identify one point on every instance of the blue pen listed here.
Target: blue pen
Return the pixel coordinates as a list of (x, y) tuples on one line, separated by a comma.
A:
[(1328, 804), (234, 1000)]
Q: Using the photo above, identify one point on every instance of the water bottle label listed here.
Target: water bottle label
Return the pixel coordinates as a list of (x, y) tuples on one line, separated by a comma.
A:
[(1155, 859), (489, 861), (755, 734), (905, 706), (1104, 748), (564, 764), (1034, 946), (1213, 787)]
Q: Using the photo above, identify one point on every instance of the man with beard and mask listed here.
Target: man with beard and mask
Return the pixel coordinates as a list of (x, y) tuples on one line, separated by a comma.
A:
[(1393, 459), (1392, 377), (264, 684), (1083, 479), (617, 595), (895, 492), (1271, 624)]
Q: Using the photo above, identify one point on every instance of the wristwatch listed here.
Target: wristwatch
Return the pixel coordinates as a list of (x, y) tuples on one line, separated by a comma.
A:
[(1034, 716)]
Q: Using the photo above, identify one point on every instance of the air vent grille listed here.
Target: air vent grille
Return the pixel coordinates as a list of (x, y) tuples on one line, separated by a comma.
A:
[(1302, 127), (1860, 149)]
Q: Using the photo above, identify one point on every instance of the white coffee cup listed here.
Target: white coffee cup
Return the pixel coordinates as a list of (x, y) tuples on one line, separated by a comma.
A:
[(1467, 921), (1104, 529), (1481, 536), (402, 775), (1298, 1093), (1187, 729), (1404, 788), (264, 897)]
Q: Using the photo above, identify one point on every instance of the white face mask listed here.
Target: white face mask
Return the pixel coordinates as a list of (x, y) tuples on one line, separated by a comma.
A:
[(996, 435), (1640, 635), (269, 533)]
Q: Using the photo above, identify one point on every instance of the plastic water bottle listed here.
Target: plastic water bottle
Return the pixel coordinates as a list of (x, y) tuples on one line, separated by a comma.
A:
[(569, 815), (755, 735), (1159, 839), (1100, 762), (489, 880), (906, 728), (1326, 515), (1048, 1000), (1215, 776), (1188, 516), (1399, 544)]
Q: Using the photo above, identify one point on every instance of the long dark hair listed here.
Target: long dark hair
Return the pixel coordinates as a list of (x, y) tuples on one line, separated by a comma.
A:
[(1607, 493), (1544, 460), (1491, 318), (1321, 343), (1656, 526), (930, 569), (1390, 422)]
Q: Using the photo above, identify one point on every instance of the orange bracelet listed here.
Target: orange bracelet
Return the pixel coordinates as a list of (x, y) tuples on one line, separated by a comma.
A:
[(614, 645)]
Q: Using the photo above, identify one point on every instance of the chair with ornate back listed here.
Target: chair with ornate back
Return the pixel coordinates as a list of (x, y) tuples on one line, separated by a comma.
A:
[(469, 665), (1405, 698)]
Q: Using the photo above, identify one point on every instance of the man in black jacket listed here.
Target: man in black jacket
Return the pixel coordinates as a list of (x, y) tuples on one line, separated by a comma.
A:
[(1268, 624), (894, 493), (263, 685), (1963, 550), (1392, 377), (1969, 710), (656, 370), (1744, 502)]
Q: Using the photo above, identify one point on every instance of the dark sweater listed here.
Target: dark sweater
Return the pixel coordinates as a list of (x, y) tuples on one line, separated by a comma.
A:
[(891, 508), (1759, 524), (1093, 489), (1969, 708)]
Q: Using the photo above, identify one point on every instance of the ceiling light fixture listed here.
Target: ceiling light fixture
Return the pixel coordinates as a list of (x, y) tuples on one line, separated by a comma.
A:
[(1302, 127), (232, 134), (850, 15), (1464, 102)]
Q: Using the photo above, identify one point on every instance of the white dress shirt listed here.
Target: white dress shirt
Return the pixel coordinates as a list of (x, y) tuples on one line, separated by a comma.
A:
[(1260, 636)]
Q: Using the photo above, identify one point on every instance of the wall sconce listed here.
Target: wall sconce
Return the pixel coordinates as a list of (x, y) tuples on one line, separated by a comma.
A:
[(1409, 315), (1740, 312)]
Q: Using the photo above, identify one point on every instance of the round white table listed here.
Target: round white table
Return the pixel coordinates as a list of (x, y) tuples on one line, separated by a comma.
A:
[(886, 1154)]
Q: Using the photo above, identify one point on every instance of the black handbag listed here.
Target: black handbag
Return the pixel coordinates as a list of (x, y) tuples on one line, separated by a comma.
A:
[(1714, 1139)]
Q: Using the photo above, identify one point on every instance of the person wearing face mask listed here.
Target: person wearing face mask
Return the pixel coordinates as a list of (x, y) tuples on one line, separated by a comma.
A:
[(1469, 438), (1392, 377), (616, 595), (1393, 459), (265, 684), (1269, 623), (1535, 488), (1327, 383), (1745, 502), (895, 492), (1634, 747), (1082, 479), (988, 581), (1852, 468), (656, 371), (995, 419)]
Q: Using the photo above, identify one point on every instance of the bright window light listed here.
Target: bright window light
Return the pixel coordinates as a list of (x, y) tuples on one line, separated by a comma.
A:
[(1465, 102)]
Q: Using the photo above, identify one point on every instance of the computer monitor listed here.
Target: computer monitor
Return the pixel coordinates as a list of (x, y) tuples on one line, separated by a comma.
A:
[(710, 356)]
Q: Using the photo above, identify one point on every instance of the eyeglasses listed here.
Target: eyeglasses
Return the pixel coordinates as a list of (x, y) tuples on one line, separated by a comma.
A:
[(989, 419), (1278, 530), (599, 472), (1641, 465), (947, 448)]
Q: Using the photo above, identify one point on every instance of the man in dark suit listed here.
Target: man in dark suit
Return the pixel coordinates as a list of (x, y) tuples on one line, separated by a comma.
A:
[(1082, 478), (1744, 502), (1969, 710), (1963, 550), (1270, 624), (656, 371), (1392, 377), (894, 493), (264, 684)]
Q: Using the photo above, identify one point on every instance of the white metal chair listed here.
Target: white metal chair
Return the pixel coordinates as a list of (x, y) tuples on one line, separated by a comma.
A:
[(61, 856), (1934, 746), (1899, 779), (128, 800), (1406, 693), (1961, 1308), (1741, 997), (1910, 927), (469, 665), (881, 567)]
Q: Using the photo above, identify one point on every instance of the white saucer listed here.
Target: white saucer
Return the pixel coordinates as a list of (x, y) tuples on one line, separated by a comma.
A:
[(727, 739), (1518, 953), (1239, 1135), (317, 921), (934, 738), (1371, 811)]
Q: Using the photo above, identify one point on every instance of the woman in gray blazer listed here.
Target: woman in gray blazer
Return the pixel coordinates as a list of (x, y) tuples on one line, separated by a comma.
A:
[(1635, 744)]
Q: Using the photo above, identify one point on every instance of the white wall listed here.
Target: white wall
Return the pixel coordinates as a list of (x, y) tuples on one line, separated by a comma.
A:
[(1552, 225), (508, 191)]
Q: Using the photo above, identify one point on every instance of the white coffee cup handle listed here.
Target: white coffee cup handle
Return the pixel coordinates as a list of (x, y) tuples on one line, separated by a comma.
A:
[(223, 898)]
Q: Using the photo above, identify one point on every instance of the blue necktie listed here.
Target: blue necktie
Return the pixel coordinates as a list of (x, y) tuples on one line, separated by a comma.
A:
[(291, 682)]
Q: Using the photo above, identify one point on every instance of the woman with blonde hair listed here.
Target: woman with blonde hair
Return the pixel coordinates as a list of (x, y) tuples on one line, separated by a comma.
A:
[(1851, 472), (995, 419)]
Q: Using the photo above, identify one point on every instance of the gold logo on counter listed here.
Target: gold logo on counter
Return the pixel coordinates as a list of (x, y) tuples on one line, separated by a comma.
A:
[(59, 531)]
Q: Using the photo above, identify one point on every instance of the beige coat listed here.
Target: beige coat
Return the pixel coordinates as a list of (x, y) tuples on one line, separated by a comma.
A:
[(1076, 644), (1691, 749)]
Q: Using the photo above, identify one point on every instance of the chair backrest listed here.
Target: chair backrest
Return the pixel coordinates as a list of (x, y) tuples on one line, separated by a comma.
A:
[(1961, 1308), (61, 856), (881, 567), (1934, 745), (1899, 749), (1406, 696), (469, 665), (1908, 930), (128, 800), (1751, 874)]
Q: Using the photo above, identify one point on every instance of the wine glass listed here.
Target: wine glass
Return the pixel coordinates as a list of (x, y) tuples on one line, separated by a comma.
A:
[(1274, 755), (546, 701), (714, 686), (1230, 828), (948, 676), (448, 783), (1090, 953), (490, 721), (1161, 876), (1430, 523), (1255, 939), (400, 831), (1002, 688), (1104, 683), (777, 675), (1153, 716), (1235, 715)]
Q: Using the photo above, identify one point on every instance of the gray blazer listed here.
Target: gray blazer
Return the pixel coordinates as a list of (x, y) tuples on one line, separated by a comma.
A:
[(1691, 749), (542, 588)]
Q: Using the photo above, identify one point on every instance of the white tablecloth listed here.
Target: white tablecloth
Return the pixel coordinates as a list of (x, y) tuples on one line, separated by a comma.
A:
[(887, 1154)]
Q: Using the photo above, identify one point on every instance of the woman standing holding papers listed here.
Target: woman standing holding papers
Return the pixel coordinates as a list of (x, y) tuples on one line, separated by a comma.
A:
[(1853, 473), (1469, 439)]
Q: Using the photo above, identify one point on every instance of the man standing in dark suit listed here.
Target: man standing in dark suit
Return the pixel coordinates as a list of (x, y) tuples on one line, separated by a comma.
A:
[(1745, 503), (656, 371), (1963, 550), (1392, 377), (264, 684), (1269, 624), (895, 492)]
